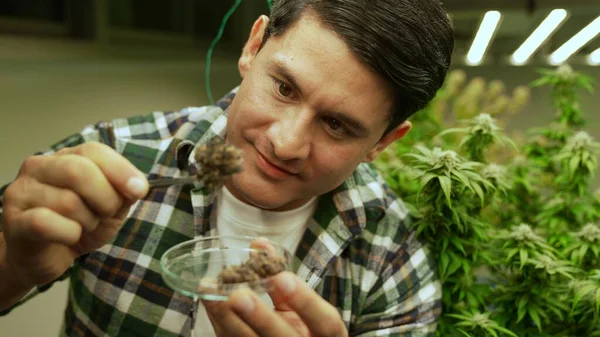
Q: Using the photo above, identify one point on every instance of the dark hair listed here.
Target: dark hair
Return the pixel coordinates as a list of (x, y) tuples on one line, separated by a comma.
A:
[(407, 42)]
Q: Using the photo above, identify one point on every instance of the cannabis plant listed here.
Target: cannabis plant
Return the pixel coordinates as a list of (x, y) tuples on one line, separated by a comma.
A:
[(511, 220), (451, 187), (481, 132)]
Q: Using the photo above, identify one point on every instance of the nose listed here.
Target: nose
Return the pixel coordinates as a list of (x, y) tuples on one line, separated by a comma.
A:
[(290, 135)]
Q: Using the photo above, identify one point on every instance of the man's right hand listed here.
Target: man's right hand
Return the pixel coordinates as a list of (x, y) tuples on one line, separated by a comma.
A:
[(64, 205)]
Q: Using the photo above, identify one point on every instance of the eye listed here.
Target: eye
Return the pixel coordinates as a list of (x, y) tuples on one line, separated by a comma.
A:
[(284, 89), (333, 124), (336, 127)]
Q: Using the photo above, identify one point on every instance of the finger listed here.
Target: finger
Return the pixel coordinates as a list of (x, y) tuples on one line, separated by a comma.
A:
[(45, 225), (263, 244), (120, 172), (33, 194), (124, 211), (83, 177), (262, 319), (225, 321), (321, 318)]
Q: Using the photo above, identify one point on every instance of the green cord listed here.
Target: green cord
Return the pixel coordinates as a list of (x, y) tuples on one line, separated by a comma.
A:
[(212, 47), (214, 43)]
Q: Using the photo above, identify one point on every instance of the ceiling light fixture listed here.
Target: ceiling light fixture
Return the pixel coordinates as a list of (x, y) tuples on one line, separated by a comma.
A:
[(483, 37), (575, 43), (538, 37), (594, 58)]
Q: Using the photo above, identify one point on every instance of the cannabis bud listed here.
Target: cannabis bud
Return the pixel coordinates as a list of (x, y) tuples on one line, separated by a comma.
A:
[(484, 123), (589, 232), (216, 161), (448, 159), (580, 140), (565, 71), (523, 232)]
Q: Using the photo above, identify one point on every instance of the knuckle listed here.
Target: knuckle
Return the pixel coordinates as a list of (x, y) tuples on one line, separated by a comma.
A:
[(110, 207), (38, 222), (29, 164), (93, 147), (69, 203), (77, 169), (12, 192), (16, 193)]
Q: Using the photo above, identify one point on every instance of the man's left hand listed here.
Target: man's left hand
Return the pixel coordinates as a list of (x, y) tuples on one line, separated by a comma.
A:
[(299, 312)]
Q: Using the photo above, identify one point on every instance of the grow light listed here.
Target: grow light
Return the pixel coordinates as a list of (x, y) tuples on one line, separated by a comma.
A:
[(576, 42), (594, 57), (483, 37), (539, 36)]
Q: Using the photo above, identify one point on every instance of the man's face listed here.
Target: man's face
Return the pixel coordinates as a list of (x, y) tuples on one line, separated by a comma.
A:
[(306, 114)]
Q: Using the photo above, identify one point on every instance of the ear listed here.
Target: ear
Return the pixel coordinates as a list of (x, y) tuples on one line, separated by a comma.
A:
[(397, 133), (253, 44)]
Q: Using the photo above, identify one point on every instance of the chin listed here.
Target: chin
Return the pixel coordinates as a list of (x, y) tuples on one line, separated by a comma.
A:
[(243, 189)]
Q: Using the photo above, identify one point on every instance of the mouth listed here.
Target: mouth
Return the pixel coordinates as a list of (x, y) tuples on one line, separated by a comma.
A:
[(270, 169)]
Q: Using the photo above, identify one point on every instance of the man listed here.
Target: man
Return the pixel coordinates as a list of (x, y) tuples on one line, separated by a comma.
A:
[(326, 86)]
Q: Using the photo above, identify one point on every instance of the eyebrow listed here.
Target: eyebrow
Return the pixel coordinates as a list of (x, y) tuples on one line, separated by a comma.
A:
[(280, 68)]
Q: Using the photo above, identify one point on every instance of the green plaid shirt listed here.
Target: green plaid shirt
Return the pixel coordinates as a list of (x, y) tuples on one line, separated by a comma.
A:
[(357, 253)]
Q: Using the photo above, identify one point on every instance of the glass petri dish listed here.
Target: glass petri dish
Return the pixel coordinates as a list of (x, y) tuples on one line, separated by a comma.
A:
[(192, 267)]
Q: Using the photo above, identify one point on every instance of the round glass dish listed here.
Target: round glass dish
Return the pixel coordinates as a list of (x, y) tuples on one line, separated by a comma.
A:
[(192, 267)]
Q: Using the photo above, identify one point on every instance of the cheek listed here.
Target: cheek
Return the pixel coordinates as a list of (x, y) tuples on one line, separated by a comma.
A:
[(335, 164)]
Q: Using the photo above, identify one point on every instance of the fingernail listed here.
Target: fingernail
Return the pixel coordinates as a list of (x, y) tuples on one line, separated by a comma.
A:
[(244, 304), (136, 186), (286, 283)]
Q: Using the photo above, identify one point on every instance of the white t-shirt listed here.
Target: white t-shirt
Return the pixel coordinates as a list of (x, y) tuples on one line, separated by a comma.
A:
[(238, 218)]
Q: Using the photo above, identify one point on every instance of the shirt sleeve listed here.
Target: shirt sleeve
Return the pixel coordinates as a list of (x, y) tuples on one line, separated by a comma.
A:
[(407, 301), (101, 132)]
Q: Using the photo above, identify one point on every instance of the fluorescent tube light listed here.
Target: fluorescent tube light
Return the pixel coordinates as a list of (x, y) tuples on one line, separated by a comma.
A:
[(576, 42), (483, 37), (539, 36), (594, 58)]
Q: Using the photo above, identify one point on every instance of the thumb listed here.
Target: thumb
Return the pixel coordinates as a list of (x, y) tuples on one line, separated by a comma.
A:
[(283, 285), (276, 293)]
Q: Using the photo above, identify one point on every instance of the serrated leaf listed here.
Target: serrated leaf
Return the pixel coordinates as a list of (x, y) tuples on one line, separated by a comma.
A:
[(573, 165), (523, 255), (443, 264), (492, 332), (426, 177), (446, 184), (536, 318), (461, 177), (521, 313), (512, 252), (582, 251), (506, 331), (522, 304), (479, 192), (455, 264), (464, 333), (595, 250), (456, 242)]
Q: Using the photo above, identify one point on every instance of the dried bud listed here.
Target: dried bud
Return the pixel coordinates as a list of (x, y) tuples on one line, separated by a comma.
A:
[(216, 161)]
